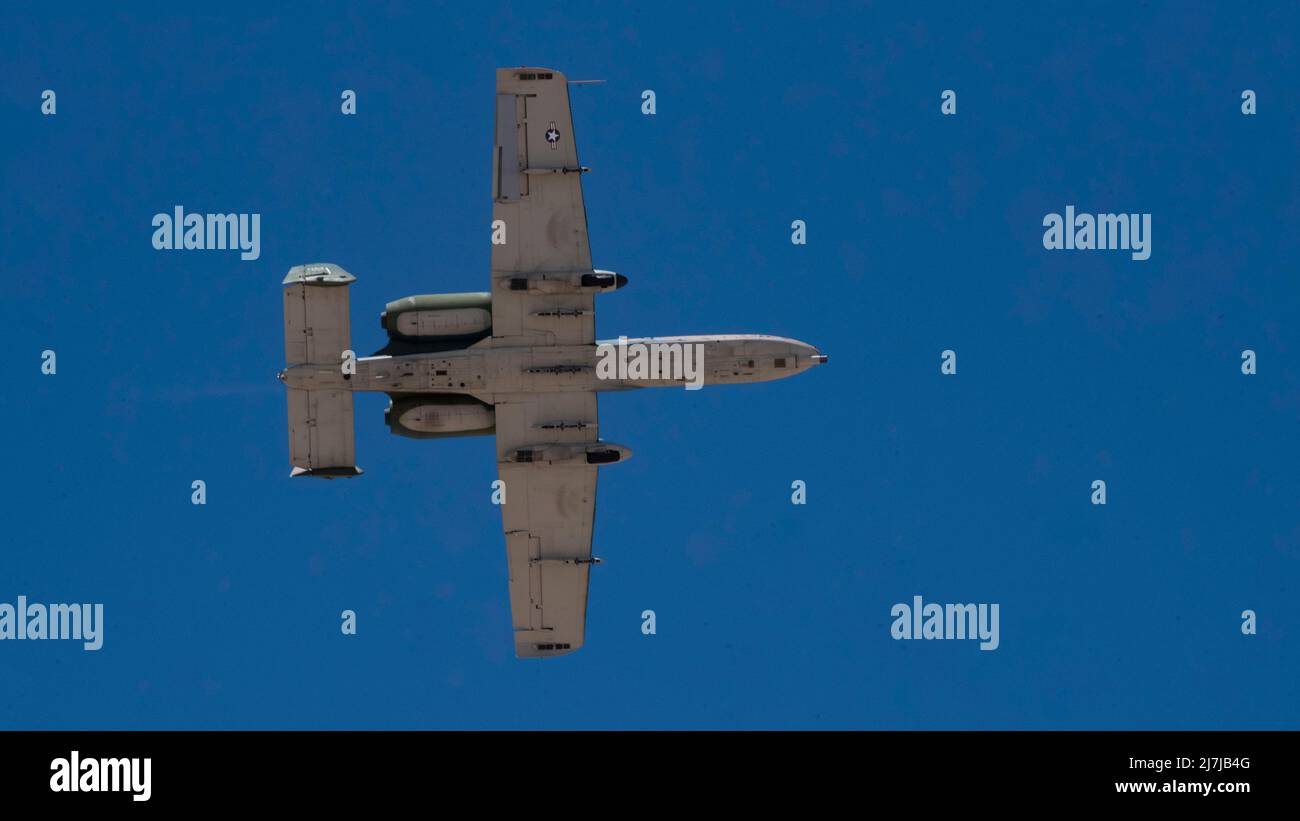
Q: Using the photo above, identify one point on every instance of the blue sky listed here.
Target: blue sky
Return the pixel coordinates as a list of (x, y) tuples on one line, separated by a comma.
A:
[(924, 234)]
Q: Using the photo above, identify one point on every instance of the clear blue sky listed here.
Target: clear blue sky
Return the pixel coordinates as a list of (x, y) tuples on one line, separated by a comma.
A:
[(924, 233)]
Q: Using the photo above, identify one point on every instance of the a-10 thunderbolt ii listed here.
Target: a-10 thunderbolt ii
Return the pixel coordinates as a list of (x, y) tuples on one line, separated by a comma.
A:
[(520, 361)]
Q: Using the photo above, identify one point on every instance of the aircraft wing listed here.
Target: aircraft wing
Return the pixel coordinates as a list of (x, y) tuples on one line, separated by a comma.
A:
[(550, 503), (537, 196)]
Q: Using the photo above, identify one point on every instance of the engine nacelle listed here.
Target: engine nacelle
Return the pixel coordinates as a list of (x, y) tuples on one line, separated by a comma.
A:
[(447, 322), (439, 416), (439, 316)]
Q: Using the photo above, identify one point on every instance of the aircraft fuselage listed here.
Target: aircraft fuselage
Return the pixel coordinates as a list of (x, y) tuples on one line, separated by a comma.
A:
[(486, 369)]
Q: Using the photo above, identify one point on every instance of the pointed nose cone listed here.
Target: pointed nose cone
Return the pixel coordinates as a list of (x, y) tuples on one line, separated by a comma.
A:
[(619, 281)]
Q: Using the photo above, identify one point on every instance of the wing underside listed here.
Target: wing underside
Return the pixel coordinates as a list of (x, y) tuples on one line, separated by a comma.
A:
[(537, 196), (547, 515), (550, 499)]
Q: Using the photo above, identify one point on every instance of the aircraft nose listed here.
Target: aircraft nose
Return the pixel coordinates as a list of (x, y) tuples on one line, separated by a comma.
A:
[(820, 359)]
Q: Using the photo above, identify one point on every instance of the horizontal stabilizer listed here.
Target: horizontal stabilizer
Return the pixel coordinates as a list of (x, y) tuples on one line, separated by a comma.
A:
[(316, 324), (317, 331), (321, 434)]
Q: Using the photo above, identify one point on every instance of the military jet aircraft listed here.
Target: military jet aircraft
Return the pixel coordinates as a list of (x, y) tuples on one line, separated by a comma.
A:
[(520, 360)]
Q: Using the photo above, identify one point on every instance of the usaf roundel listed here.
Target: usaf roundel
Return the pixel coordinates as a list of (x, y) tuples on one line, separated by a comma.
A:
[(552, 135)]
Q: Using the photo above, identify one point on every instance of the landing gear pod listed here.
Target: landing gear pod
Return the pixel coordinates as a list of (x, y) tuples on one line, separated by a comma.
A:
[(595, 453), (564, 283)]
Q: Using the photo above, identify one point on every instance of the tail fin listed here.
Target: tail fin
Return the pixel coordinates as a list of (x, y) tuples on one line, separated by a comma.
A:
[(317, 330)]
